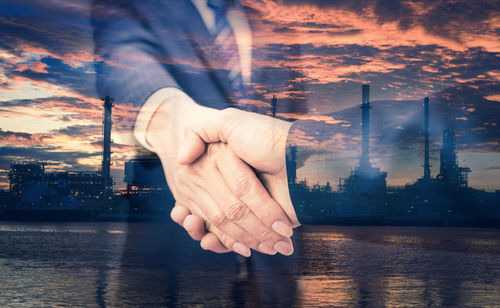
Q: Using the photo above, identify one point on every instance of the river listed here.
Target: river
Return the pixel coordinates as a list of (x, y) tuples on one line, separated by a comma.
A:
[(157, 265)]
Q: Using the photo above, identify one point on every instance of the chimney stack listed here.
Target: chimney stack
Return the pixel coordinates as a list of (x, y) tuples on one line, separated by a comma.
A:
[(274, 102), (427, 166), (106, 147), (365, 128)]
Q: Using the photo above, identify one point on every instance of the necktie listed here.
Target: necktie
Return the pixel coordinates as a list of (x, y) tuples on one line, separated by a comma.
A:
[(226, 45)]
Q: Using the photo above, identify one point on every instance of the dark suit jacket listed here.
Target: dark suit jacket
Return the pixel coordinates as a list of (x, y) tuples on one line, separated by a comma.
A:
[(140, 47)]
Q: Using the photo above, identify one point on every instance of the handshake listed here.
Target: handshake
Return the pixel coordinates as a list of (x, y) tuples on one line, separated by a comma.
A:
[(227, 172)]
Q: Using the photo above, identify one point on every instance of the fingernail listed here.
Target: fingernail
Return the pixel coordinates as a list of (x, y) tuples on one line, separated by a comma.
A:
[(282, 228), (241, 249), (284, 248), (264, 249)]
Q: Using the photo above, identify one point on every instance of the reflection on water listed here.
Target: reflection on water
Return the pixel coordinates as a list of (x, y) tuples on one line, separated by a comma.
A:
[(400, 267), (156, 265)]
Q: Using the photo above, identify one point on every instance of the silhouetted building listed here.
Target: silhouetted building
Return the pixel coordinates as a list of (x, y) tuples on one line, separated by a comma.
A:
[(143, 174), (147, 190), (450, 174), (79, 184), (274, 103), (427, 165), (364, 178), (23, 175), (106, 148), (31, 185), (426, 183), (364, 161)]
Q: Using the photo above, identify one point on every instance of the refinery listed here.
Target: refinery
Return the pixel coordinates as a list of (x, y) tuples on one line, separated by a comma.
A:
[(363, 197)]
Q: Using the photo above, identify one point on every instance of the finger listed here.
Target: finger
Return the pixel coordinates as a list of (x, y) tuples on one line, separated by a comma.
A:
[(214, 214), (215, 217), (195, 226), (212, 128), (212, 243), (238, 213), (179, 213), (192, 148), (228, 242), (245, 185)]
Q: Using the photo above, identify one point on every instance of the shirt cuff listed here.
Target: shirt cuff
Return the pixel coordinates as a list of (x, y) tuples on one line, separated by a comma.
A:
[(149, 108)]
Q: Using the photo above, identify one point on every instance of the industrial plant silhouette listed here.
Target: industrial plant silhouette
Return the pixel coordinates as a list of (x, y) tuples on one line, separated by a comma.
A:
[(362, 197)]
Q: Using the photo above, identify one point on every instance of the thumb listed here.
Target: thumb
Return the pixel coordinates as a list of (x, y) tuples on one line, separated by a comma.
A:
[(207, 130), (192, 148)]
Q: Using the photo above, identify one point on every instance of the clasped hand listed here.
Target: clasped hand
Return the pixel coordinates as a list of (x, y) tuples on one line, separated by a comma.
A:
[(209, 158)]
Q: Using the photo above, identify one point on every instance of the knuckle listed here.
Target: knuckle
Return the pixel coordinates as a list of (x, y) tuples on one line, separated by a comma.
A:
[(228, 112), (267, 236), (236, 211), (231, 119), (246, 238), (218, 219), (214, 149), (226, 240), (266, 214), (241, 187)]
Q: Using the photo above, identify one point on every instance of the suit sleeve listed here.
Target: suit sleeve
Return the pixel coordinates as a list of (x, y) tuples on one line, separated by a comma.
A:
[(130, 64)]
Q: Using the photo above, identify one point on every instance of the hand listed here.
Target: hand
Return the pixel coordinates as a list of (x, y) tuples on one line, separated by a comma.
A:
[(238, 211), (195, 226), (257, 139)]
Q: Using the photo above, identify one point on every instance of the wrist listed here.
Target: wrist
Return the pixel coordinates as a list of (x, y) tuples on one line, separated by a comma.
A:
[(166, 127), (158, 125)]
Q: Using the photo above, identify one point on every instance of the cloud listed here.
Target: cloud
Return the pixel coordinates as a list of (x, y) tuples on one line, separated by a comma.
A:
[(49, 154), (36, 67), (493, 97), (79, 130), (313, 55), (9, 134), (17, 138), (455, 20)]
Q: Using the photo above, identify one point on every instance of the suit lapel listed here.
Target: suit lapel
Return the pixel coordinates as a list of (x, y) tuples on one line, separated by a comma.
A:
[(202, 42)]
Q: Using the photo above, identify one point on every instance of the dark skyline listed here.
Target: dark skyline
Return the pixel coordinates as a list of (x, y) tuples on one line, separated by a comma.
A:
[(405, 50)]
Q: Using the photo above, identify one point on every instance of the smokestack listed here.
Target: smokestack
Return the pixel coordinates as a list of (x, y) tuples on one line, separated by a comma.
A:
[(365, 128), (427, 166), (274, 102), (448, 153), (106, 149)]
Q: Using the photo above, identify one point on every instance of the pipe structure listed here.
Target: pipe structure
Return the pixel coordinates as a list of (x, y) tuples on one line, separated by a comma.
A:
[(427, 166), (365, 128), (274, 102), (106, 146)]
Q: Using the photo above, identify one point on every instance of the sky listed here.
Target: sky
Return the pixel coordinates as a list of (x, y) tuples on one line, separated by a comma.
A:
[(405, 50)]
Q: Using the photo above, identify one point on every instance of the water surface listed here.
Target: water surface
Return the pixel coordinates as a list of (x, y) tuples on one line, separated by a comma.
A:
[(157, 265)]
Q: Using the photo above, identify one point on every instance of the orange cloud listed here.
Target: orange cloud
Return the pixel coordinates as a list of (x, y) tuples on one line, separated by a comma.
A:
[(494, 97), (37, 67)]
